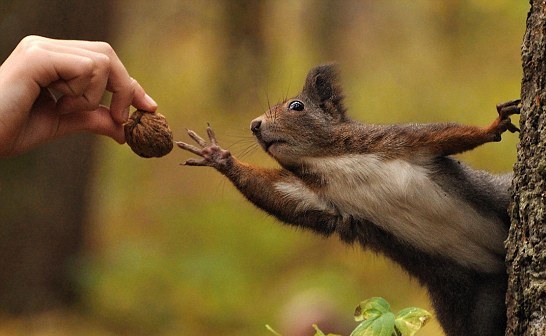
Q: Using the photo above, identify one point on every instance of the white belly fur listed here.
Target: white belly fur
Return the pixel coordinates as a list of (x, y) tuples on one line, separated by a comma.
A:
[(400, 197)]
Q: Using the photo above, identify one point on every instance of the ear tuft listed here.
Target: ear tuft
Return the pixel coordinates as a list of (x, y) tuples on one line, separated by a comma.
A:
[(322, 86)]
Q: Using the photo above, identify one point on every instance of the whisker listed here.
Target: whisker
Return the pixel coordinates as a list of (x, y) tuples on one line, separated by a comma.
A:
[(239, 133), (240, 142), (288, 88), (241, 139), (268, 105), (248, 150), (266, 91)]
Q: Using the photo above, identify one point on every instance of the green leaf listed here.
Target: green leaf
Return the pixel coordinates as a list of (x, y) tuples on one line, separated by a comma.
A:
[(371, 308), (408, 321), (378, 326)]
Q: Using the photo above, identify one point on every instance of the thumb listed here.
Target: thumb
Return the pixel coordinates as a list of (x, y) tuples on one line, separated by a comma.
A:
[(98, 121)]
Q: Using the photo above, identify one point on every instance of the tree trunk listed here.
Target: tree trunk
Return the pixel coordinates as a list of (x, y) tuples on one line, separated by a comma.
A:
[(526, 243), (243, 38), (43, 194)]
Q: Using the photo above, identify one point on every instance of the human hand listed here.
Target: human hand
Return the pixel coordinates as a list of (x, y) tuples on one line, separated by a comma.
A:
[(81, 71)]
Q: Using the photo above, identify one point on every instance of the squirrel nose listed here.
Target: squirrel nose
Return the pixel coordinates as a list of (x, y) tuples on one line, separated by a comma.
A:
[(255, 125)]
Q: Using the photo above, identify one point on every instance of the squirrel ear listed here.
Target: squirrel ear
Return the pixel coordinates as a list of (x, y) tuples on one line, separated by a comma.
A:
[(322, 86)]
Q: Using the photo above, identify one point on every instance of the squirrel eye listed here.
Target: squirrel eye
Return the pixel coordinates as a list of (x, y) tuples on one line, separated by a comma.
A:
[(296, 105)]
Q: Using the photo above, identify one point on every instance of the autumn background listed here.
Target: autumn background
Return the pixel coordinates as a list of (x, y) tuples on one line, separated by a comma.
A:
[(95, 240)]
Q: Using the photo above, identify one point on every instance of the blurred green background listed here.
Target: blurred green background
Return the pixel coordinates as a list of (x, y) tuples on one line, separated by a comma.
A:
[(163, 249)]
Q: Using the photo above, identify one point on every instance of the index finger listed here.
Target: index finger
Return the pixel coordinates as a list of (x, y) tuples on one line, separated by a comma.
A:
[(125, 96), (126, 91)]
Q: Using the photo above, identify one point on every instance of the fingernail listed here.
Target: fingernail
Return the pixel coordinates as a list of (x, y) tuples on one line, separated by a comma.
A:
[(149, 100)]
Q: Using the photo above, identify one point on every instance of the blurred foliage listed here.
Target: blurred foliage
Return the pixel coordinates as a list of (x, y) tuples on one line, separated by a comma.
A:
[(176, 250), (377, 319)]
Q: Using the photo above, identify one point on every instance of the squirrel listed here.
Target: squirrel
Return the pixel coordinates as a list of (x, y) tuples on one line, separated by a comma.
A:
[(394, 189)]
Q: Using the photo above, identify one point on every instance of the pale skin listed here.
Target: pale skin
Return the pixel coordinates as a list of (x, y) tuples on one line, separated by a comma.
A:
[(80, 73)]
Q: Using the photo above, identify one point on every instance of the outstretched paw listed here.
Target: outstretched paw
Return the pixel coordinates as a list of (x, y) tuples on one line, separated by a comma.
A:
[(211, 154), (503, 122)]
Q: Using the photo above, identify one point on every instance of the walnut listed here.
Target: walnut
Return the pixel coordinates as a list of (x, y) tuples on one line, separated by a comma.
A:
[(148, 134)]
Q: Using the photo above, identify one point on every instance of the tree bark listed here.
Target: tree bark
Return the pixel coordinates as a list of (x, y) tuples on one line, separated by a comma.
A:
[(43, 194), (526, 243)]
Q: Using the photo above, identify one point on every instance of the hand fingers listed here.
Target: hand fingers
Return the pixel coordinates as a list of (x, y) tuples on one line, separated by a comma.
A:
[(99, 68), (72, 71), (104, 66), (97, 121), (127, 94), (89, 83), (68, 74), (126, 91), (76, 104), (84, 91)]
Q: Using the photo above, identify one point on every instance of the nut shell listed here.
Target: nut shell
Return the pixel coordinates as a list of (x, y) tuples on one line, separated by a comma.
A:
[(148, 134)]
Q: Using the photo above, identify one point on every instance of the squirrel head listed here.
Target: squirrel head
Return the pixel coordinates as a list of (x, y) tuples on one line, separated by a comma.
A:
[(305, 125)]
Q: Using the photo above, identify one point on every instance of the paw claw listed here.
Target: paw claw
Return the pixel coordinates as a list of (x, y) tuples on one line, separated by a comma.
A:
[(189, 148), (503, 122), (513, 128), (509, 108), (211, 135), (197, 138), (211, 154), (194, 162)]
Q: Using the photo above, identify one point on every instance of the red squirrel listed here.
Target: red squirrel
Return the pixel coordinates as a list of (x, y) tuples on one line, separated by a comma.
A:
[(391, 188)]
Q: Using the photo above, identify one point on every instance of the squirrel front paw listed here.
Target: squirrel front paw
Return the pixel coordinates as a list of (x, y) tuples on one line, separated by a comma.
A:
[(212, 155), (503, 122)]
